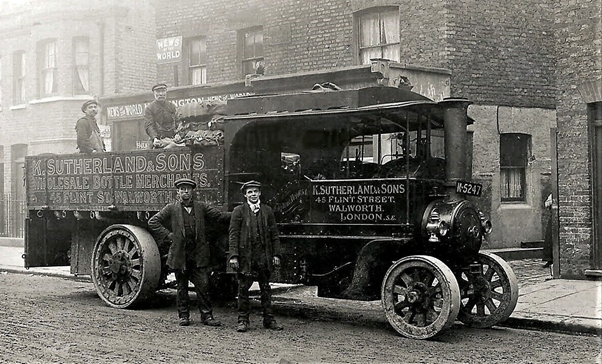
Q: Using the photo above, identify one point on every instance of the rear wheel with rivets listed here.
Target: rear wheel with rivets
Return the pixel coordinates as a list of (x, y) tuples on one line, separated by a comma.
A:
[(126, 265)]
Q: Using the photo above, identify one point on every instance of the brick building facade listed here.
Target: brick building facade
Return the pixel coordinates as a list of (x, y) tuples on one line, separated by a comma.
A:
[(497, 55), (579, 111), (53, 56)]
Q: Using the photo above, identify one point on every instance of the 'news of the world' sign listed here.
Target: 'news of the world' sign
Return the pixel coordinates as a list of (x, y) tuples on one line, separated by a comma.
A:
[(169, 50)]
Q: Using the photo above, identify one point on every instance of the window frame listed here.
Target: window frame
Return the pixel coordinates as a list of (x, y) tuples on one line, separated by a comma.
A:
[(360, 16), (521, 157), (202, 66), (19, 74), (45, 68), (257, 60), (76, 82)]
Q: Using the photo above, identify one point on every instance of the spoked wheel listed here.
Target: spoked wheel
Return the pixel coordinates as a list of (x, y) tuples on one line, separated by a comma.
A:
[(420, 296), (489, 295), (126, 266)]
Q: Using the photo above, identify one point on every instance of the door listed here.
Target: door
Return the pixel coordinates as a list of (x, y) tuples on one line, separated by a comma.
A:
[(554, 217)]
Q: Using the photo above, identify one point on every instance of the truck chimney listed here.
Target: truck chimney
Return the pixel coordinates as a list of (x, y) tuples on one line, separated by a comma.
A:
[(455, 120)]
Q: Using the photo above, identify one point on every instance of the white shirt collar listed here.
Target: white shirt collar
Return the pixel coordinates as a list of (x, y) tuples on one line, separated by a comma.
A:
[(254, 206)]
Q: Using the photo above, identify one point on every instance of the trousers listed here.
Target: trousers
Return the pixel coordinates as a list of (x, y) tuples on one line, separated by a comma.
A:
[(200, 278), (244, 284)]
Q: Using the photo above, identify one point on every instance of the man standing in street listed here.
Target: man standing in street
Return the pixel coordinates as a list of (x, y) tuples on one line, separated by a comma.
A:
[(88, 133), (254, 249), (547, 255), (183, 224), (160, 117)]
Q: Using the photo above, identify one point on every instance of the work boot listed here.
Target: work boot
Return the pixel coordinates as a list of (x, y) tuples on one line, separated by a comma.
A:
[(243, 326), (210, 321), (272, 325), (184, 321)]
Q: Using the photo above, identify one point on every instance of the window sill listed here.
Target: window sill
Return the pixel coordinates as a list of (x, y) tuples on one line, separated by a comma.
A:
[(60, 98), (515, 206), (18, 107), (56, 140)]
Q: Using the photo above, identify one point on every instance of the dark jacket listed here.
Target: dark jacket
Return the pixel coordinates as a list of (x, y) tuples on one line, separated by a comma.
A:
[(88, 135), (172, 213), (240, 239), (159, 119)]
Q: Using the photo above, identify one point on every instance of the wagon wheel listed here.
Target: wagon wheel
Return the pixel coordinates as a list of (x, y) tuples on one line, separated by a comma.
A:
[(488, 296), (420, 296), (126, 266)]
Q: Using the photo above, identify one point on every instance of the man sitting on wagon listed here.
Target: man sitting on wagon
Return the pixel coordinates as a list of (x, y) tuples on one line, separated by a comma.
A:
[(160, 118)]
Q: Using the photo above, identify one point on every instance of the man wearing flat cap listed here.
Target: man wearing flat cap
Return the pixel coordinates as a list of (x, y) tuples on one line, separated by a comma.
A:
[(182, 225), (160, 117), (254, 252), (88, 133)]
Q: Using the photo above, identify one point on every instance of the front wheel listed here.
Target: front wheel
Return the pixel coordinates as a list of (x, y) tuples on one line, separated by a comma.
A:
[(126, 265), (420, 296), (489, 294)]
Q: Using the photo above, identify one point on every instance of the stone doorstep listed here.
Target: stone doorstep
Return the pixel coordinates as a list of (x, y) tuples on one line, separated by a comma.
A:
[(12, 242)]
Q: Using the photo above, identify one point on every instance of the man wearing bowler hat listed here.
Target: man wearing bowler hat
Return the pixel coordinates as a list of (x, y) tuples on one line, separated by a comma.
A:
[(182, 225), (254, 251), (160, 117), (88, 133)]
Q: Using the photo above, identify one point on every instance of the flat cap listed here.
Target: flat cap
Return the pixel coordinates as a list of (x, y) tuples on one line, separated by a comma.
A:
[(89, 102), (159, 86), (249, 185), (185, 182)]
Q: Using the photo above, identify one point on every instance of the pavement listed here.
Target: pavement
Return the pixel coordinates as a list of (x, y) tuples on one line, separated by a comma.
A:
[(573, 306)]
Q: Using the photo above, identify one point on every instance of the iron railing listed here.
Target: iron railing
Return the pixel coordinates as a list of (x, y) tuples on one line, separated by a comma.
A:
[(12, 216)]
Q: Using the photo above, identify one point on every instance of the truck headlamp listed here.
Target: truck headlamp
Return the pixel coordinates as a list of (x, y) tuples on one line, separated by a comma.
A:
[(485, 223)]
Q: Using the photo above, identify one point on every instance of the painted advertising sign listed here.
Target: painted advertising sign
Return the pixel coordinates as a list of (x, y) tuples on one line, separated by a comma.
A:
[(137, 110), (133, 181), (376, 201), (169, 50)]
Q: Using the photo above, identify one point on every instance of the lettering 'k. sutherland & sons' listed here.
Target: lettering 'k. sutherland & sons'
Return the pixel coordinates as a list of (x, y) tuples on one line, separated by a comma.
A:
[(162, 162), (383, 189)]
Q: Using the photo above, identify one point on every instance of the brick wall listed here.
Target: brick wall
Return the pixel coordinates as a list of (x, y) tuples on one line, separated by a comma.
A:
[(424, 33), (502, 52), (499, 53), (579, 53), (135, 49)]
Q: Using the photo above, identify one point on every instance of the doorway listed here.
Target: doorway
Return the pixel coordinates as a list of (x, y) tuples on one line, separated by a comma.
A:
[(595, 133)]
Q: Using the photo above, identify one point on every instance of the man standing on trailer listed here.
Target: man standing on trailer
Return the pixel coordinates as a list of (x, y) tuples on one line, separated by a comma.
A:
[(88, 133), (160, 117), (182, 224), (254, 249)]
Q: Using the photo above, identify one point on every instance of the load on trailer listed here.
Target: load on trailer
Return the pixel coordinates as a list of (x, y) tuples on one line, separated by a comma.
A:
[(369, 187)]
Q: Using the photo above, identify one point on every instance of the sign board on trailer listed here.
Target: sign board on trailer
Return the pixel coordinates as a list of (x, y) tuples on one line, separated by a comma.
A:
[(127, 181)]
